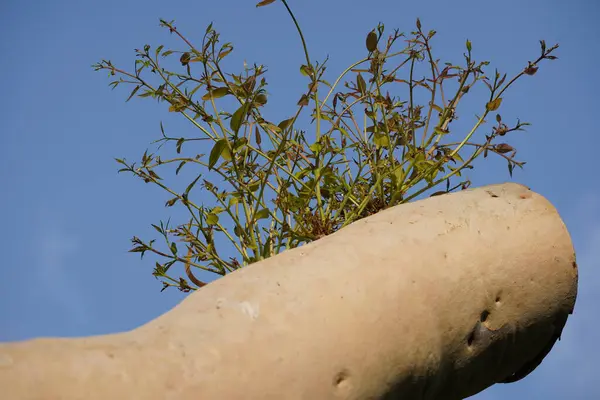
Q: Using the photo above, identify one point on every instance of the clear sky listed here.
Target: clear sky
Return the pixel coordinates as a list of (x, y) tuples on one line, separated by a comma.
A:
[(68, 216)]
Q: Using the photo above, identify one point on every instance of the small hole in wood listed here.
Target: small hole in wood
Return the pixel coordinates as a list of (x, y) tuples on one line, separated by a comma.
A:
[(471, 339), (484, 315), (341, 378)]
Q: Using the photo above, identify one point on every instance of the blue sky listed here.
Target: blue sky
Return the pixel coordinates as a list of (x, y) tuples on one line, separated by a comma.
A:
[(68, 216)]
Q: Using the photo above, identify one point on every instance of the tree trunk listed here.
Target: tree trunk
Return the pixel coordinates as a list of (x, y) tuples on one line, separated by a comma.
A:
[(435, 299)]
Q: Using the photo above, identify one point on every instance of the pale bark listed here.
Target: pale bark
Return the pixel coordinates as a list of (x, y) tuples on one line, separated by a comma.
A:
[(436, 299)]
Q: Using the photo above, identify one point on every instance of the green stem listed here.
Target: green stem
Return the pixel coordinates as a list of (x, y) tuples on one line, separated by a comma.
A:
[(299, 32), (317, 108)]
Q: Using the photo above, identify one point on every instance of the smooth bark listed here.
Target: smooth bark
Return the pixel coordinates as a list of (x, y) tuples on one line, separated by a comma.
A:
[(436, 299)]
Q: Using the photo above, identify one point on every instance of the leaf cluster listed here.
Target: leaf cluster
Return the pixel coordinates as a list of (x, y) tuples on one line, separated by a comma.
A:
[(375, 142)]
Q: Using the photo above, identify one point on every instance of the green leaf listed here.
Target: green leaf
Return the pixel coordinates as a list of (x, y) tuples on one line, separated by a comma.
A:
[(253, 186), (159, 270), (157, 228), (494, 104), (257, 135), (212, 219), (185, 59), (154, 175), (174, 248), (261, 99), (180, 166), (261, 214), (381, 140), (240, 143), (179, 143), (303, 102), (361, 84), (221, 148), (469, 45), (371, 41), (238, 231), (191, 185), (283, 125), (216, 93), (237, 118), (302, 173), (271, 127), (226, 152), (147, 93), (139, 249), (215, 153), (399, 173), (305, 70), (171, 202), (315, 147), (226, 49), (265, 3), (133, 92), (266, 250), (217, 210)]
